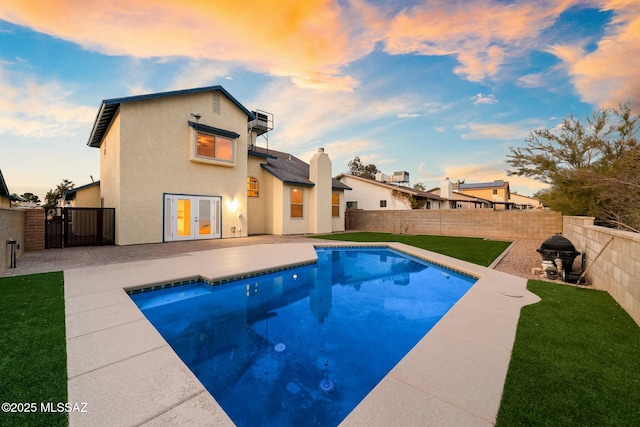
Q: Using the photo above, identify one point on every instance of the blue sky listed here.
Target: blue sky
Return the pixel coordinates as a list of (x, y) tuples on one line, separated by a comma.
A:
[(436, 88)]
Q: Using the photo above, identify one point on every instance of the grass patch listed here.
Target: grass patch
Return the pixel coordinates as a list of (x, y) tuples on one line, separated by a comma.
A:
[(33, 357), (575, 362), (478, 251)]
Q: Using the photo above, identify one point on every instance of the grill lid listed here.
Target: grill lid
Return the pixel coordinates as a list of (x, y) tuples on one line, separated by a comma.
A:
[(557, 243)]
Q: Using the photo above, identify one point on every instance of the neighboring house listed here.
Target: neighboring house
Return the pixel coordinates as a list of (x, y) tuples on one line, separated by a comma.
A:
[(5, 197), (368, 194), (497, 192), (525, 202), (86, 196), (288, 196), (176, 166), (458, 200)]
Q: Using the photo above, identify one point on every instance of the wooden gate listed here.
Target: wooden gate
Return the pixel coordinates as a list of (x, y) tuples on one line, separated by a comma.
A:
[(67, 227)]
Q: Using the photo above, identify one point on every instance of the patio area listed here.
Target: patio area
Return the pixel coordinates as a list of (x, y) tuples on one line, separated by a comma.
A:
[(128, 375)]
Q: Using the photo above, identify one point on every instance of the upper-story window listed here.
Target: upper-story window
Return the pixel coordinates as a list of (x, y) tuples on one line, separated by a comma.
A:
[(213, 145)]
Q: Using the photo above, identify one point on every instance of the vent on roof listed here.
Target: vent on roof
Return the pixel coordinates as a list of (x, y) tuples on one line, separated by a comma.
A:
[(216, 103)]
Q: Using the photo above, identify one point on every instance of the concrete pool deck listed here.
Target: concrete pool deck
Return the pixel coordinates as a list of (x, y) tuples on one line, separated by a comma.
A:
[(453, 376)]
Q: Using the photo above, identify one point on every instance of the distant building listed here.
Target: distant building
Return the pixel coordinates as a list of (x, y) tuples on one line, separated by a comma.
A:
[(525, 202), (497, 192), (458, 200), (86, 196), (382, 194)]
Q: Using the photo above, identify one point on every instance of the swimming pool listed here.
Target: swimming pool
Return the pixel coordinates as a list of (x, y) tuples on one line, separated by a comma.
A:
[(304, 346)]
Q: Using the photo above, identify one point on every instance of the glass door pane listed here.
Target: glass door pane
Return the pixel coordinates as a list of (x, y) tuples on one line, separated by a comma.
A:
[(183, 218), (204, 217)]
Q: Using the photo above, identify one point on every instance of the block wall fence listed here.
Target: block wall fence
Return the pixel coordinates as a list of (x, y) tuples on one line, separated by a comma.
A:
[(463, 222), (617, 270)]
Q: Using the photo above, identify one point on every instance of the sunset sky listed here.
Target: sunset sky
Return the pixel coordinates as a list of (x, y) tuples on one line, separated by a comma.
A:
[(436, 88)]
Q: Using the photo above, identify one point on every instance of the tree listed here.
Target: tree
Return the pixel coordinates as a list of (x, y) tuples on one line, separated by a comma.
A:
[(53, 195), (357, 168), (592, 167), (419, 186), (30, 198)]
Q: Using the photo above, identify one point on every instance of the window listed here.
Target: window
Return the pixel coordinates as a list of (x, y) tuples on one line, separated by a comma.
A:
[(214, 147), (335, 205), (252, 187), (352, 205), (495, 191), (383, 203), (296, 203)]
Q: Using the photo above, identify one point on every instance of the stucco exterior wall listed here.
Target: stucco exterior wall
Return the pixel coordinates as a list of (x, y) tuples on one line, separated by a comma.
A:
[(369, 196), (12, 226), (87, 197), (110, 171), (459, 222), (153, 157), (274, 212), (256, 206), (617, 270)]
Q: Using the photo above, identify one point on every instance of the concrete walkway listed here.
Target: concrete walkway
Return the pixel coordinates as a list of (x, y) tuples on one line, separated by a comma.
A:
[(128, 375)]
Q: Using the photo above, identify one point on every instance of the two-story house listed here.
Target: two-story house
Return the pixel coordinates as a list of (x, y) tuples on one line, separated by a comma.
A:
[(183, 165)]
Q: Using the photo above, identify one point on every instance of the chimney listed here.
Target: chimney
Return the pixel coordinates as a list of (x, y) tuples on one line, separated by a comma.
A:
[(320, 194), (445, 189)]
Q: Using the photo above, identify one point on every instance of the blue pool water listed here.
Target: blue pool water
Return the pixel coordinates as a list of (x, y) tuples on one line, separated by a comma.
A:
[(302, 347)]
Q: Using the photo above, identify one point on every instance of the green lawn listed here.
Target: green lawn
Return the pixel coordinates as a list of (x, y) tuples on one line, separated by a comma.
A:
[(478, 251), (33, 357), (575, 362)]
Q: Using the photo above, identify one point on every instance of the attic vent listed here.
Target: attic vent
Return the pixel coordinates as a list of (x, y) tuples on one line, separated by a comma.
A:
[(216, 103)]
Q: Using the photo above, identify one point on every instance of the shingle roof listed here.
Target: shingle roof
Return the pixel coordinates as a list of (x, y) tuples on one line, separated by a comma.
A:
[(109, 107), (290, 169)]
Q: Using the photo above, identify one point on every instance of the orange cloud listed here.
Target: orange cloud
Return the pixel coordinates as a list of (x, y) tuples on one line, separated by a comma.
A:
[(608, 75), (480, 34), (309, 39)]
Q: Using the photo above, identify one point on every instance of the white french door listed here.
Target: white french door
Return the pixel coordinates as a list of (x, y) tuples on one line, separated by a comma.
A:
[(191, 217)]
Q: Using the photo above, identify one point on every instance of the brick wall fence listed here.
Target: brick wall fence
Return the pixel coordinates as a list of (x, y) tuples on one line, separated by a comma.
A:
[(34, 230), (463, 222), (617, 270), (11, 228)]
